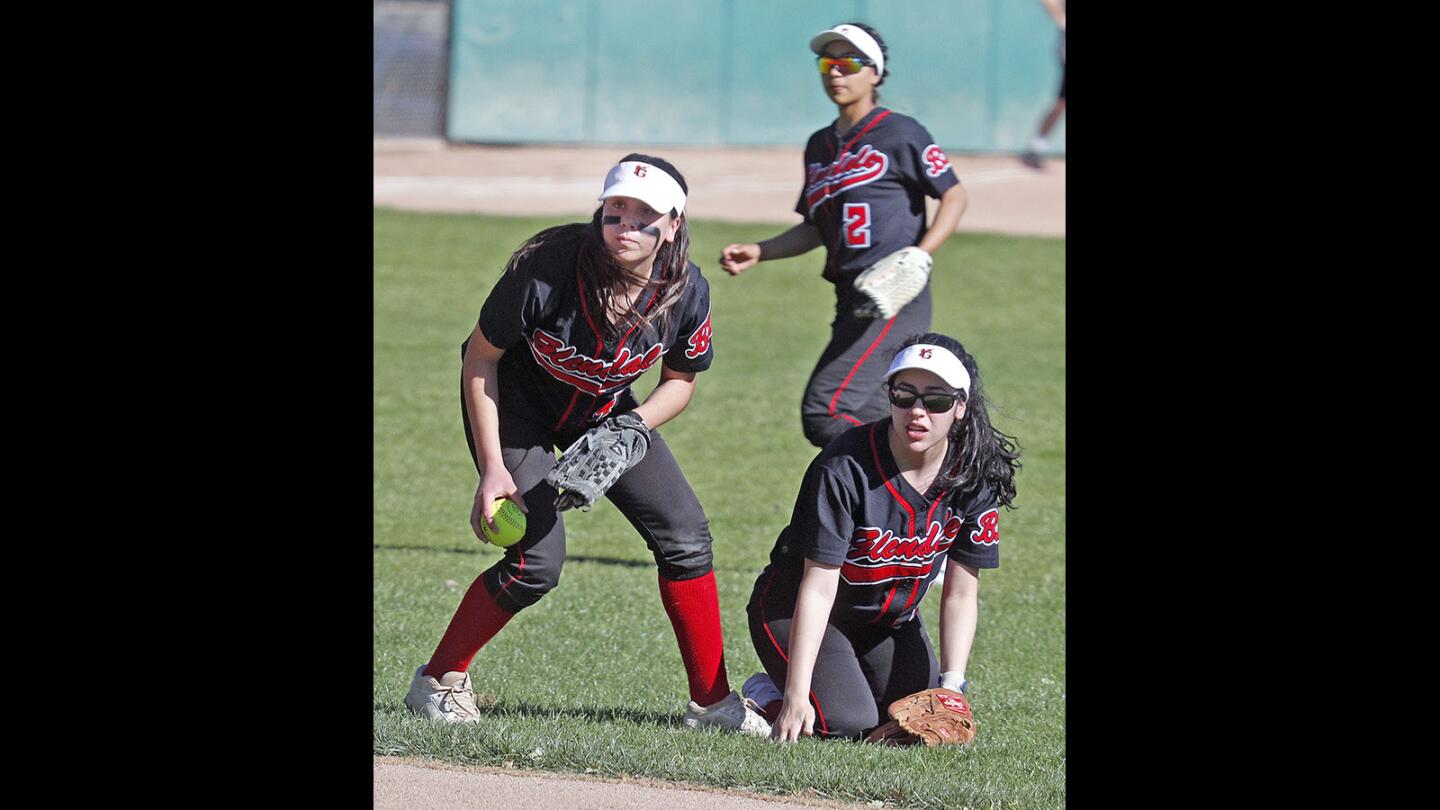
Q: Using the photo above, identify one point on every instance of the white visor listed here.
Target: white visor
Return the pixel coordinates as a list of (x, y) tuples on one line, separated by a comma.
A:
[(651, 185), (854, 36), (936, 359)]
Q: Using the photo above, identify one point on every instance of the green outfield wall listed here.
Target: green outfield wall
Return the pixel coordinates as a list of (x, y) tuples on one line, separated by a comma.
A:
[(978, 73)]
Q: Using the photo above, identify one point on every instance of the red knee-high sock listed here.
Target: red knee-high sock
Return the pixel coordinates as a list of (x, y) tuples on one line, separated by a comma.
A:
[(694, 608), (476, 621)]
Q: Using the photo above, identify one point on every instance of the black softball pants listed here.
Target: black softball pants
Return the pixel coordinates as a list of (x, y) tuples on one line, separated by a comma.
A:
[(653, 495), (859, 671), (845, 389)]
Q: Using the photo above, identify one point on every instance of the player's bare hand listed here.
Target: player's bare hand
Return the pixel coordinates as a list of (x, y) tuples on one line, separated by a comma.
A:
[(495, 485), (736, 259), (797, 717)]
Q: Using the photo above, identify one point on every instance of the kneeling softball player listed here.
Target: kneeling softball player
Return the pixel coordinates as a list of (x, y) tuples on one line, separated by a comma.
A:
[(835, 617), (581, 311)]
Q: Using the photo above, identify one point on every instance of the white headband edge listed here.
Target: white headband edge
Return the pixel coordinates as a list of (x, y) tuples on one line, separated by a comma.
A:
[(943, 363), (621, 177), (857, 37)]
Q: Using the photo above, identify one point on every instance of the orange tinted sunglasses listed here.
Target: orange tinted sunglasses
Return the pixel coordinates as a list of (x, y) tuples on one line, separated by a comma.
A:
[(849, 65)]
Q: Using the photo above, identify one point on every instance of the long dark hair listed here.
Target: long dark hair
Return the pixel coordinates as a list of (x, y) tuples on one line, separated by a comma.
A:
[(603, 278), (978, 453)]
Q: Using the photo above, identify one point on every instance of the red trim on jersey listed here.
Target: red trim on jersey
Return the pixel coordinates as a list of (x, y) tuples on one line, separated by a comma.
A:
[(884, 607), (585, 308), (815, 701), (868, 127), (909, 510), (831, 259), (852, 141), (589, 387), (599, 347), (600, 339), (868, 575), (929, 518), (880, 468), (654, 296), (915, 589), (848, 377)]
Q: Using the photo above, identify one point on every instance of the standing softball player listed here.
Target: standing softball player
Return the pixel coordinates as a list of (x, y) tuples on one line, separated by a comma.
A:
[(835, 616), (581, 311), (866, 179)]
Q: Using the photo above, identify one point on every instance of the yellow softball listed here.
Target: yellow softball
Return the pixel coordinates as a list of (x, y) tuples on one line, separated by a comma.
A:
[(509, 520)]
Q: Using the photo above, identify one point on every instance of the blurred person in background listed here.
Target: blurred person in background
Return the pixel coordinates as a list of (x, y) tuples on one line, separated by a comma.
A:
[(1041, 142)]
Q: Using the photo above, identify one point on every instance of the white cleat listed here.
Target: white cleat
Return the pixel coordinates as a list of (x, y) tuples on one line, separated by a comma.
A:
[(734, 713), (448, 700)]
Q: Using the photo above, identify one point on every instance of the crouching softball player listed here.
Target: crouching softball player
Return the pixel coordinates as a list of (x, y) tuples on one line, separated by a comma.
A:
[(835, 616), (581, 311)]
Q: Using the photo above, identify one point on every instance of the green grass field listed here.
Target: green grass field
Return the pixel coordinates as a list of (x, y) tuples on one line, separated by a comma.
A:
[(590, 679)]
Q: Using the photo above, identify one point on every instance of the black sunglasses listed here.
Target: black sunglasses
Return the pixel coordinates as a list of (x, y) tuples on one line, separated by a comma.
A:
[(903, 396)]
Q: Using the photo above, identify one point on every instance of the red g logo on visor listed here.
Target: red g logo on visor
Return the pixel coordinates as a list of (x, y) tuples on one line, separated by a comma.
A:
[(925, 353), (639, 171)]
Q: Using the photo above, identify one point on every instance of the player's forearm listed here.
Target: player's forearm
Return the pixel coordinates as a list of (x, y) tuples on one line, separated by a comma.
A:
[(807, 628), (802, 238), (479, 377), (947, 217), (959, 612), (668, 399)]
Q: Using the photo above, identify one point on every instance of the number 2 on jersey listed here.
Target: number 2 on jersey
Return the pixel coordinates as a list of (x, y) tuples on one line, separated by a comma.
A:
[(857, 225)]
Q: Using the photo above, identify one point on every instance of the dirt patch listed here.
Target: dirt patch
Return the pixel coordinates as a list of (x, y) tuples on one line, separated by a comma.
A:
[(407, 783), (730, 184)]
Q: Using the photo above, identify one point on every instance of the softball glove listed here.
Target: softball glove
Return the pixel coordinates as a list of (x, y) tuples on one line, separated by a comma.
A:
[(936, 716), (597, 459), (892, 282)]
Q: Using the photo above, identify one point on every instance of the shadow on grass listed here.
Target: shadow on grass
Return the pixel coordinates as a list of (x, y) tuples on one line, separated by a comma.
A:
[(530, 711), (571, 558)]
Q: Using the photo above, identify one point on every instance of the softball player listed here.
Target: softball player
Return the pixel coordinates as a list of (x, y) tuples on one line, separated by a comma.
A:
[(835, 616), (1041, 142), (580, 312), (866, 179)]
